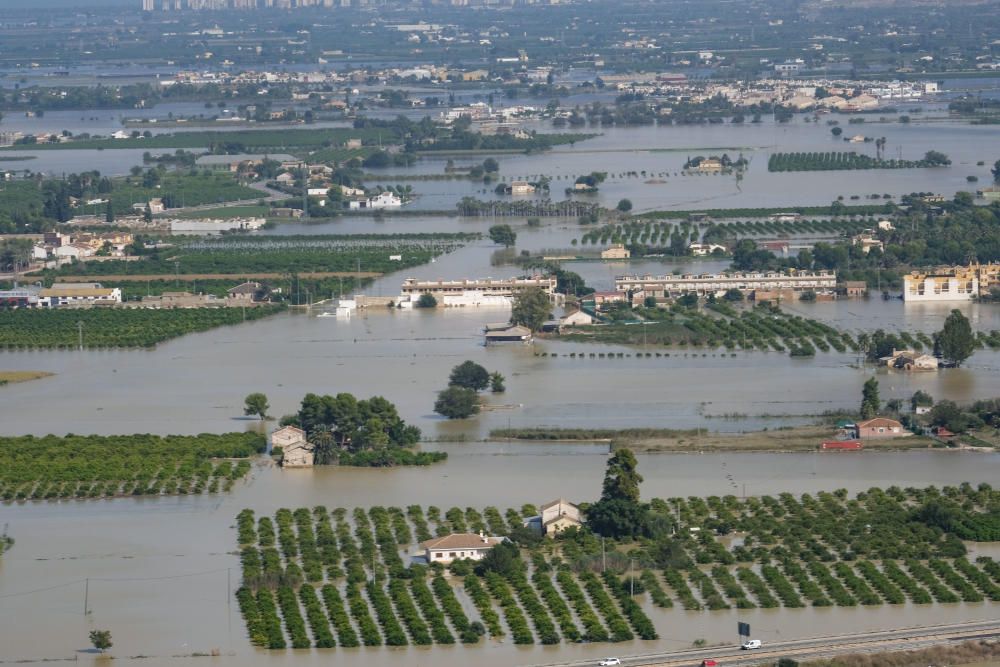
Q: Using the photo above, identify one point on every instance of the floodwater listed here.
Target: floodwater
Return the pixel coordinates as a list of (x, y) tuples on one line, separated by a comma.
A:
[(161, 570)]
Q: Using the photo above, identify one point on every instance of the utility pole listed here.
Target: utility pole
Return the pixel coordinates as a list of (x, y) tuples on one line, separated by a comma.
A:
[(86, 596), (177, 272), (604, 557), (631, 577), (79, 330)]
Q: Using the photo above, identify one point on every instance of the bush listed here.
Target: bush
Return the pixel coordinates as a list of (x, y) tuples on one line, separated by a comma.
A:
[(457, 403)]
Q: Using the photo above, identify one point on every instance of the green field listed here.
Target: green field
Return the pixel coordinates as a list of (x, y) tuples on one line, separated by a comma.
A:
[(114, 328), (238, 141), (94, 466), (224, 213)]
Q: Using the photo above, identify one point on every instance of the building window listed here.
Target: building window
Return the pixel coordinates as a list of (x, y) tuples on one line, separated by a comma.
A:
[(451, 554)]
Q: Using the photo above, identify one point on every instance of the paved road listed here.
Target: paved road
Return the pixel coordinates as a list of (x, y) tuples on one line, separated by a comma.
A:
[(816, 647)]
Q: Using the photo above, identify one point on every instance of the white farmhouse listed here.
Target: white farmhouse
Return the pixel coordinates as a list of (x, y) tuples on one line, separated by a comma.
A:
[(458, 546)]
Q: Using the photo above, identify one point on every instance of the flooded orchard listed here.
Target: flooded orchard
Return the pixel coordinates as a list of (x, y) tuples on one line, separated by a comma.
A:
[(161, 571)]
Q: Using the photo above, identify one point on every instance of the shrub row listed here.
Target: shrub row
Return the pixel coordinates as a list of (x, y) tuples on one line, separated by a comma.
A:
[(453, 609), (270, 623), (408, 611), (979, 578), (512, 612), (370, 634), (265, 532), (346, 635), (593, 630), (831, 585), (656, 592), (391, 629), (294, 624), (425, 600), (633, 612), (416, 516), (922, 574), (731, 588), (318, 622), (482, 601), (955, 580), (710, 595), (620, 631), (856, 585), (681, 588), (913, 590), (757, 587), (245, 527), (885, 587), (807, 586), (536, 610), (781, 586), (557, 606), (251, 616)]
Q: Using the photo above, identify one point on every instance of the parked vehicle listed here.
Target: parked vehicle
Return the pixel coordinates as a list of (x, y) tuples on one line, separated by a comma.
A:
[(609, 661), (751, 644), (708, 662)]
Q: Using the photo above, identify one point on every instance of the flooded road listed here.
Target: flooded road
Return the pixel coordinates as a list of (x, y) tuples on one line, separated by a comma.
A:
[(160, 570)]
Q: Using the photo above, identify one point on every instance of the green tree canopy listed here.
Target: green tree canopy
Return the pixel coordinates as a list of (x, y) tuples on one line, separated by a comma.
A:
[(344, 422), (256, 404), (531, 308), (101, 639), (497, 383), (427, 300), (470, 375), (956, 340), (457, 403), (624, 205), (504, 559), (503, 235), (621, 479), (870, 402)]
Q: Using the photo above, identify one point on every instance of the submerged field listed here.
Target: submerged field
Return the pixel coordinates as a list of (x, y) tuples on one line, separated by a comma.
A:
[(324, 578)]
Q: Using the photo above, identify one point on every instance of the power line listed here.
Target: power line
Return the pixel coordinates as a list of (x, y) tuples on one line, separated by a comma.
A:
[(111, 580)]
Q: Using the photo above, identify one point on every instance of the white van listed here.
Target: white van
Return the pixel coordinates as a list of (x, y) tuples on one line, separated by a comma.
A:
[(750, 644)]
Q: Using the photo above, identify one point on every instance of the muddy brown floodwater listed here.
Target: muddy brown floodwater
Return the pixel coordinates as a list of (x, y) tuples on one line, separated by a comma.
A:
[(161, 570)]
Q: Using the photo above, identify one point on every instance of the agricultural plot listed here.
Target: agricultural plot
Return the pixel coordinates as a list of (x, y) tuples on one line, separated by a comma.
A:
[(324, 577), (658, 237), (283, 255), (114, 327), (838, 161), (78, 466)]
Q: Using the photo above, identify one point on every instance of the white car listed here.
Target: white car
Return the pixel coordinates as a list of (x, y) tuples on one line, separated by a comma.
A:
[(609, 661), (751, 644)]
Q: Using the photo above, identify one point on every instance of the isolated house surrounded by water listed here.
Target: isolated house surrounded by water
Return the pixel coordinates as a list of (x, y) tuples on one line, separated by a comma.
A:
[(296, 452), (458, 546)]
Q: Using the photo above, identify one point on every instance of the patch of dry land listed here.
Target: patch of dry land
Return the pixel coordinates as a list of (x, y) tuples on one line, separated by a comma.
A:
[(798, 438), (10, 377)]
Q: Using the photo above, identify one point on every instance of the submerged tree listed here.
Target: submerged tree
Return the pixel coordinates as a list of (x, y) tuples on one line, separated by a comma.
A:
[(101, 639), (256, 404), (469, 375), (956, 340), (531, 308)]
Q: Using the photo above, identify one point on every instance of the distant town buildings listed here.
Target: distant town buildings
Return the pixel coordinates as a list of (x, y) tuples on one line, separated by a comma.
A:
[(705, 284), (956, 283), (488, 292)]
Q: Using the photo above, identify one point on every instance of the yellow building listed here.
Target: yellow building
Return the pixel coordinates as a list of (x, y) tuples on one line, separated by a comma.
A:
[(616, 251)]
